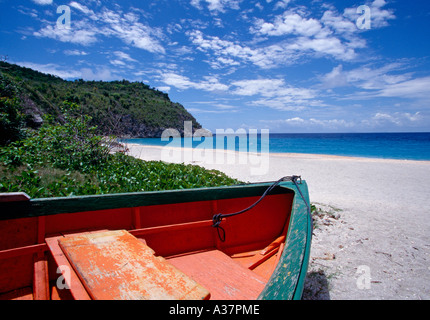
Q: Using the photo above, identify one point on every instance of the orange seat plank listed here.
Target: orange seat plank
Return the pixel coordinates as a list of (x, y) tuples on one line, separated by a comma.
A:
[(72, 282), (115, 265), (221, 275)]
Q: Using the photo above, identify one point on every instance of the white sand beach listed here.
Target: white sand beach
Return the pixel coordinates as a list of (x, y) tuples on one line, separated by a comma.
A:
[(377, 243)]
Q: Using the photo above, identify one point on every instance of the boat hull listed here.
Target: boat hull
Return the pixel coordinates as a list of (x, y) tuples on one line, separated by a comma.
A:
[(174, 224)]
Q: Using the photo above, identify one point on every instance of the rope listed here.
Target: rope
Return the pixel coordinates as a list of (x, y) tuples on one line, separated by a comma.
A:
[(217, 218)]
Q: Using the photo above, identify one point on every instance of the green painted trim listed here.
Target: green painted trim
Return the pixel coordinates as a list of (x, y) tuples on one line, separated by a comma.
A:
[(51, 206), (287, 281)]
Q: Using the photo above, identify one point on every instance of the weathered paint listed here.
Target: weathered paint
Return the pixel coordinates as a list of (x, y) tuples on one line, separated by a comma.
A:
[(114, 265), (225, 278)]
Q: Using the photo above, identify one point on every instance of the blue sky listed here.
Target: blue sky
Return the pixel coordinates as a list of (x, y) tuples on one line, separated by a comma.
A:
[(283, 65)]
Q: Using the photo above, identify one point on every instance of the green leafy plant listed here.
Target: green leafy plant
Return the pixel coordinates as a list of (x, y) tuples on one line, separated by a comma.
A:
[(11, 118), (70, 159)]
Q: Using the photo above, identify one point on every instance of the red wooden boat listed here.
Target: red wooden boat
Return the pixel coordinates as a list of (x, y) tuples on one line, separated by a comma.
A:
[(187, 244)]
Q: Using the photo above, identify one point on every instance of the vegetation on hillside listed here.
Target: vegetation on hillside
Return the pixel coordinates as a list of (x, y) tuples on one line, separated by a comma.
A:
[(11, 118), (121, 108), (66, 156)]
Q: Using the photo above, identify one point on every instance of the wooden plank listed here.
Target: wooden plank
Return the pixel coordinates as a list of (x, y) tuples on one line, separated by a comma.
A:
[(114, 265), (16, 252), (225, 279), (259, 258), (40, 278), (173, 227), (14, 197), (71, 280)]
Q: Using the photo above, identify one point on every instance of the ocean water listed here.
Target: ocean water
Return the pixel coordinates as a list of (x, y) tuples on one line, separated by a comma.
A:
[(403, 146)]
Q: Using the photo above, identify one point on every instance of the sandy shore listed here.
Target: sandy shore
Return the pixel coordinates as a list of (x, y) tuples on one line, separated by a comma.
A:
[(372, 239)]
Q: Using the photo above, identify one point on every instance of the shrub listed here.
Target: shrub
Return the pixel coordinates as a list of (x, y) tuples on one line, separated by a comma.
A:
[(70, 160), (11, 119)]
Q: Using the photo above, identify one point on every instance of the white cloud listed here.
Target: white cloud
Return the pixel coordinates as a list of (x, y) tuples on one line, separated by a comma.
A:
[(388, 81), (276, 94), (415, 88), (100, 73), (332, 123), (333, 34), (127, 28), (216, 6), (107, 23), (118, 63), (184, 83), (164, 89), (53, 69), (379, 17), (366, 77), (312, 123), (295, 120), (29, 12), (288, 23), (271, 93), (228, 53), (378, 121), (398, 119), (196, 4), (281, 4), (335, 78), (43, 2), (330, 46), (124, 56), (213, 107), (339, 24), (75, 53), (81, 7), (216, 110), (264, 87), (309, 35)]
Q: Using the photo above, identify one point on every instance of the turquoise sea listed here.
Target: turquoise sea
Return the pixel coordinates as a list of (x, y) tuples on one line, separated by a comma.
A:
[(404, 146)]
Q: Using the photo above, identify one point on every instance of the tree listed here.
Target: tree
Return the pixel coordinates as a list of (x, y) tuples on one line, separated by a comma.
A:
[(11, 119)]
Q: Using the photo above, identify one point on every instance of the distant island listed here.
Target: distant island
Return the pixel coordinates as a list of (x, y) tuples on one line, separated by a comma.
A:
[(121, 108)]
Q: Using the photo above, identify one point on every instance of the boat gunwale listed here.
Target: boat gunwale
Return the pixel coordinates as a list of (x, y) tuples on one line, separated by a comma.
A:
[(287, 281), (65, 205)]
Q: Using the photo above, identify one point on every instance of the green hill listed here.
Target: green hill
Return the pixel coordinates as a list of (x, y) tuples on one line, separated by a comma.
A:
[(121, 108)]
